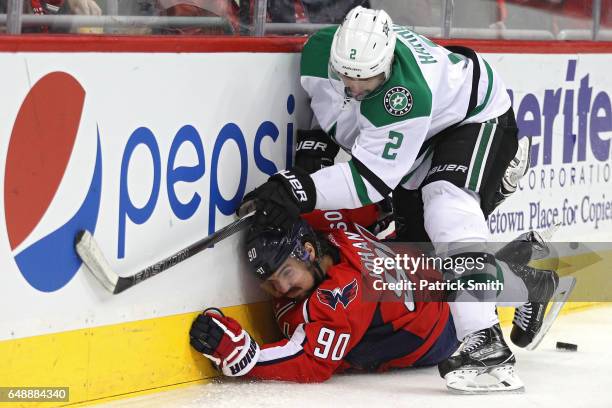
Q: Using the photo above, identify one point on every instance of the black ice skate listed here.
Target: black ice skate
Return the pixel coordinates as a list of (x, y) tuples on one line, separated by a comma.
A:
[(483, 364), (531, 322), (528, 318), (525, 248)]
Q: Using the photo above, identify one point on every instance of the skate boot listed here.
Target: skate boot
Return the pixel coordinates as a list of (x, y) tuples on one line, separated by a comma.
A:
[(483, 364), (528, 318), (524, 248), (531, 322)]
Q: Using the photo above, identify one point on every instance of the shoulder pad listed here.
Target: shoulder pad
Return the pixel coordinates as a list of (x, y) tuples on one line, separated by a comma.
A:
[(406, 95)]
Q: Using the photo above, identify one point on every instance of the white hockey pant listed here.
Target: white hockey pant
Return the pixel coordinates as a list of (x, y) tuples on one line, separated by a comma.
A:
[(452, 215)]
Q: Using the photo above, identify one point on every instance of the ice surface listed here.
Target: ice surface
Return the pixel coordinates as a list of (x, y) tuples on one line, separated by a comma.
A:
[(552, 379)]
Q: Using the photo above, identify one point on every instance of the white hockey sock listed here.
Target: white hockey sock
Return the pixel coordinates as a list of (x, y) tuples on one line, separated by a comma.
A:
[(469, 317)]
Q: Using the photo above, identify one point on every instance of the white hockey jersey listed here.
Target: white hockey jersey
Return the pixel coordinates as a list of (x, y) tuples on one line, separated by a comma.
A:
[(428, 91)]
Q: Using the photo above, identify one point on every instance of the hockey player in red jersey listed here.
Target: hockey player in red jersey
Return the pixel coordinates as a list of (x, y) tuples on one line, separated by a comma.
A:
[(331, 319)]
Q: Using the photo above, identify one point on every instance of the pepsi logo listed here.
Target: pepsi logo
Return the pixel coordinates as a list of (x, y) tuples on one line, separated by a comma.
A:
[(40, 147)]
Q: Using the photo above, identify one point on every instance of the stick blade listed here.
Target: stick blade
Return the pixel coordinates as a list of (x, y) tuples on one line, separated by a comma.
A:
[(93, 258)]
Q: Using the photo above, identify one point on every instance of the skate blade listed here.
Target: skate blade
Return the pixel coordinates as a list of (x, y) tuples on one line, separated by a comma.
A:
[(563, 292), (493, 381), (488, 391)]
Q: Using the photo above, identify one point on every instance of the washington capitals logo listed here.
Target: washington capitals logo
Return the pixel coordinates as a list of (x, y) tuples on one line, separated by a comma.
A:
[(344, 296)]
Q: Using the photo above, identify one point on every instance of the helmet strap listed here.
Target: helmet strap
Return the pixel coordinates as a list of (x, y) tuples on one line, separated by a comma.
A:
[(314, 266), (319, 275)]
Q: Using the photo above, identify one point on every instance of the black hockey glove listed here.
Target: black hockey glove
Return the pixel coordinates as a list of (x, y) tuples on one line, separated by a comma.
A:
[(280, 200), (385, 216), (315, 150)]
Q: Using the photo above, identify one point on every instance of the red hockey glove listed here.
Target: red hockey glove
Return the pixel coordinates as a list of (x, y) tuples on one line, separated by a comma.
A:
[(223, 341)]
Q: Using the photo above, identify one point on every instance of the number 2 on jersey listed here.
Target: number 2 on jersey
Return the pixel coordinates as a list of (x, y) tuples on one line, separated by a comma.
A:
[(395, 141)]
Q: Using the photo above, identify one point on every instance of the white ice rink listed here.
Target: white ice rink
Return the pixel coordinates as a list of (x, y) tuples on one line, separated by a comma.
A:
[(552, 379)]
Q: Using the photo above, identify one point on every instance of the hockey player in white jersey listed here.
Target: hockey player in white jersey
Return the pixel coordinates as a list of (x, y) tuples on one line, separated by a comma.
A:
[(434, 126)]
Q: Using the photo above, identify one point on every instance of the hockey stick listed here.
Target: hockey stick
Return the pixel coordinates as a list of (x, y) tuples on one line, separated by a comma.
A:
[(92, 256)]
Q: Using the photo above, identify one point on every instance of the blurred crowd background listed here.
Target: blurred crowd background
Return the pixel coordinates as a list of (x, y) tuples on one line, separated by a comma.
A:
[(512, 19)]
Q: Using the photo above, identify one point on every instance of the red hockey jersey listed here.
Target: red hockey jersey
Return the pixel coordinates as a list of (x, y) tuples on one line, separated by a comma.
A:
[(342, 325)]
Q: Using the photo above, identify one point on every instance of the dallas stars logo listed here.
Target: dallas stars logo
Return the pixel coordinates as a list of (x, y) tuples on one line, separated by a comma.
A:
[(386, 29), (398, 101)]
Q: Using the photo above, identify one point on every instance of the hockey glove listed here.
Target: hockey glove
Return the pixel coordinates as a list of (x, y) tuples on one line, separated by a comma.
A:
[(384, 218), (314, 150), (223, 341), (280, 200)]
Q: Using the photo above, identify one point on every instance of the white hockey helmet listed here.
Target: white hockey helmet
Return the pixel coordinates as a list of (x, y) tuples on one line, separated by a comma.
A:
[(363, 44)]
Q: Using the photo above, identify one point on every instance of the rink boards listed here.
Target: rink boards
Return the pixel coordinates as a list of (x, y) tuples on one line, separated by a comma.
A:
[(153, 150)]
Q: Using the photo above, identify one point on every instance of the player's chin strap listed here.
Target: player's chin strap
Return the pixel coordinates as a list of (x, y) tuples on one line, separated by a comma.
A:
[(314, 267), (301, 254), (317, 273)]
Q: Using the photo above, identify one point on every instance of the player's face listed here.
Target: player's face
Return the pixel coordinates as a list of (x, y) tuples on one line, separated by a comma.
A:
[(292, 279), (360, 88)]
